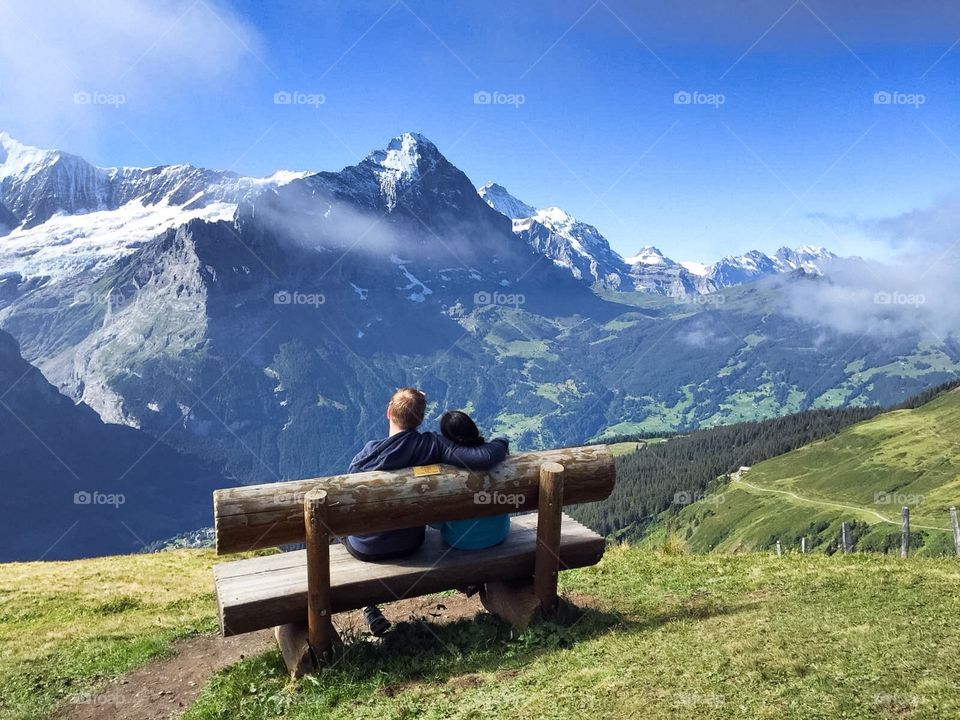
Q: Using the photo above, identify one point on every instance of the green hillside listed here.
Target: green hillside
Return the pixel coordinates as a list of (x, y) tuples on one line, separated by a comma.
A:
[(864, 474), (746, 636)]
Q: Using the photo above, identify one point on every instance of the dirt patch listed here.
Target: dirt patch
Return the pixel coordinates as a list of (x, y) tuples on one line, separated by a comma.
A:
[(435, 609), (465, 682), (165, 688), (398, 688)]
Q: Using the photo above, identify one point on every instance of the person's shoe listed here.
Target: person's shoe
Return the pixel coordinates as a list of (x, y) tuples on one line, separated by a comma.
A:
[(376, 621)]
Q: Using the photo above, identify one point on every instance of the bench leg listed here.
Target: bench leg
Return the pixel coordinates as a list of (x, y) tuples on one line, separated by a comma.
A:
[(295, 649), (320, 632), (511, 600), (549, 518)]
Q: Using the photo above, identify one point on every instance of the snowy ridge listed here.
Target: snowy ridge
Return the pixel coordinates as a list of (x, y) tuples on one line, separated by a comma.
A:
[(497, 197), (37, 185), (573, 245), (17, 159), (649, 256), (585, 253), (60, 215), (69, 244), (696, 268)]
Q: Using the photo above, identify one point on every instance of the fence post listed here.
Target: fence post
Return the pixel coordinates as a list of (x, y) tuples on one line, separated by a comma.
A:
[(803, 545), (956, 530), (547, 557), (779, 549), (904, 531), (845, 536)]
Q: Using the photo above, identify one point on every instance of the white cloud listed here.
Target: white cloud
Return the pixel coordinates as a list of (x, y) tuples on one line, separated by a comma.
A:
[(915, 291), (138, 55), (700, 334)]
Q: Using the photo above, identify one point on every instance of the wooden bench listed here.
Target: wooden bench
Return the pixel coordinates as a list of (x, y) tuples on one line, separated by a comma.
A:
[(284, 590)]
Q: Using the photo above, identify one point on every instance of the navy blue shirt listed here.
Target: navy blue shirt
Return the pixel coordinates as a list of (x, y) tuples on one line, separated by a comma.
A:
[(409, 448)]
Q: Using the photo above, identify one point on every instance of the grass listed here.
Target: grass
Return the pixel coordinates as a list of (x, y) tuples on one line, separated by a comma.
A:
[(866, 473), (928, 359), (669, 636), (748, 636), (515, 424), (624, 448), (67, 627)]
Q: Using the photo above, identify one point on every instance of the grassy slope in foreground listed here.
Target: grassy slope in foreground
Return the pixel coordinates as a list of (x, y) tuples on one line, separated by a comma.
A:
[(864, 474), (68, 627), (749, 636)]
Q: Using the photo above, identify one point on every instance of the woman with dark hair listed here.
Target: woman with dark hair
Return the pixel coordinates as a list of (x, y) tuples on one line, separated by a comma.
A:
[(476, 533)]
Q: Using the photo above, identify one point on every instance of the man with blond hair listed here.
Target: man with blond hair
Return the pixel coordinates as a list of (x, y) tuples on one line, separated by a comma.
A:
[(406, 446)]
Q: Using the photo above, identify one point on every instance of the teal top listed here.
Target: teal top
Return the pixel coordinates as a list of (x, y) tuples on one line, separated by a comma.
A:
[(476, 533)]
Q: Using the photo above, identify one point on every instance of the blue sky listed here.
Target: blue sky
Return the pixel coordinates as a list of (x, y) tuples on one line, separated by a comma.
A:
[(797, 152)]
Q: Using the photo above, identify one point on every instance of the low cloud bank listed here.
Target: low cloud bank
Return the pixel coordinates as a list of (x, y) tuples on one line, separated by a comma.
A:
[(916, 291)]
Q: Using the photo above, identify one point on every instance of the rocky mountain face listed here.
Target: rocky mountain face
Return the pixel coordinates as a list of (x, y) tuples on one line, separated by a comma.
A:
[(653, 272)]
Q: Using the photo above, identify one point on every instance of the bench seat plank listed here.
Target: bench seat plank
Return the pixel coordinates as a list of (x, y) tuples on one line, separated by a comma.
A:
[(263, 592)]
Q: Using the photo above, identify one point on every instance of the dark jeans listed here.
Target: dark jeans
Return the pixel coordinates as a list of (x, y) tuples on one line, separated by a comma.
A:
[(404, 551)]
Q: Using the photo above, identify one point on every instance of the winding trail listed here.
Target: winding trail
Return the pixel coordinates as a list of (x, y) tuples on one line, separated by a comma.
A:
[(825, 503)]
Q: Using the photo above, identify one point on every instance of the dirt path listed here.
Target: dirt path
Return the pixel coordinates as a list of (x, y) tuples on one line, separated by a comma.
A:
[(165, 688), (824, 503)]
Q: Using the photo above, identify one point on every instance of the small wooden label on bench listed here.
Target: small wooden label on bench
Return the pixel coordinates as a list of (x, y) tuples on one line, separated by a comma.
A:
[(424, 470)]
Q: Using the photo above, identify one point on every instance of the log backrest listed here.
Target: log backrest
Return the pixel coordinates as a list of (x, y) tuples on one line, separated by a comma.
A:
[(260, 516)]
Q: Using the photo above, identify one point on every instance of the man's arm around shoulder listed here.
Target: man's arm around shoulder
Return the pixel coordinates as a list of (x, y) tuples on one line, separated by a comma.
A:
[(482, 457)]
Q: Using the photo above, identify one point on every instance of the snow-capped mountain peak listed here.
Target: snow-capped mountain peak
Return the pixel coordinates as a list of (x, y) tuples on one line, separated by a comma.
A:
[(405, 160), (696, 268), (497, 197), (58, 211), (649, 255), (810, 258), (575, 246), (583, 251), (20, 160), (405, 153), (60, 214), (554, 214)]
